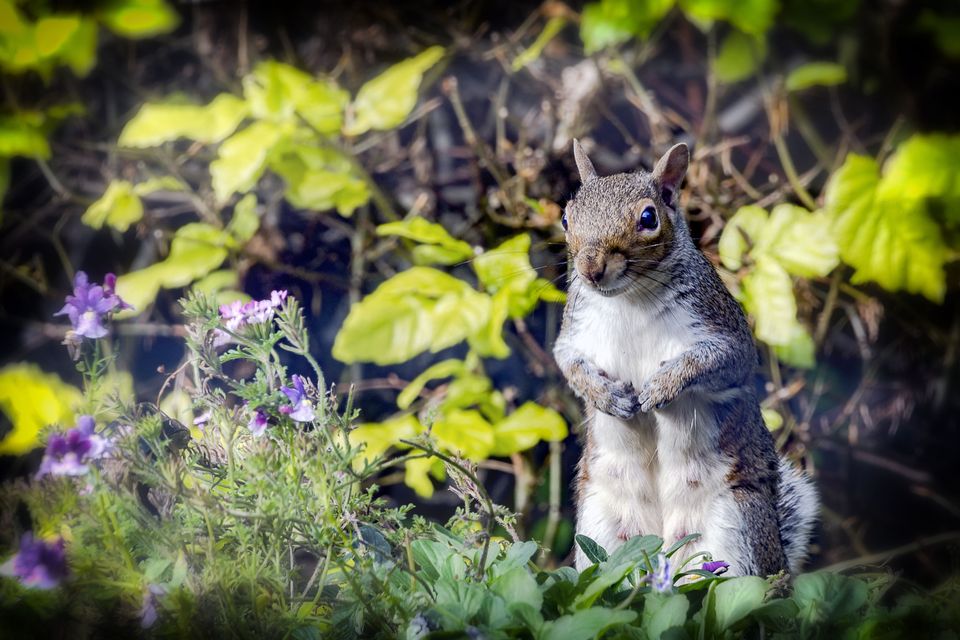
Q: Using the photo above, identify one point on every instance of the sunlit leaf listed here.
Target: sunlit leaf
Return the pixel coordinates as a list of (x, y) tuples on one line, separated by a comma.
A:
[(319, 179), (139, 18), (19, 136), (585, 624), (119, 207), (242, 158), (442, 369), (771, 418), (739, 57), (801, 241), (610, 22), (53, 32), (888, 239), (735, 599), (32, 399), (488, 340), (161, 183), (750, 16), (429, 233), (525, 427), (80, 51), (378, 437), (740, 233), (245, 221), (157, 123), (417, 310), (465, 433), (280, 92), (816, 74), (550, 30), (768, 297), (385, 101)]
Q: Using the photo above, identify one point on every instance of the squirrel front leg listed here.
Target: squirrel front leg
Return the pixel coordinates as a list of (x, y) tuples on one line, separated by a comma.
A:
[(613, 397), (710, 365)]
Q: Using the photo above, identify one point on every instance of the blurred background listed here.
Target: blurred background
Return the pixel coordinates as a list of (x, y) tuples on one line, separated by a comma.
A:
[(312, 147)]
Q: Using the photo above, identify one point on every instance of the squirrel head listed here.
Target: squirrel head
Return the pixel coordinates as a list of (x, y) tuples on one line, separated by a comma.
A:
[(621, 227)]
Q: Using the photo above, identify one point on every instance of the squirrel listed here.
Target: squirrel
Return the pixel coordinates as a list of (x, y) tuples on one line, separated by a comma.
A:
[(663, 358)]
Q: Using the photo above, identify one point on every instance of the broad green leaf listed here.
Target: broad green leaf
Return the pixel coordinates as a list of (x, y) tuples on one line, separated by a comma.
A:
[(799, 350), (378, 437), (157, 123), (242, 158), (465, 433), (768, 297), (245, 221), (924, 166), (739, 57), (801, 241), (507, 268), (890, 240), (21, 135), (385, 101), (750, 16), (736, 598), (162, 183), (418, 472), (53, 32), (319, 179), (585, 624), (662, 612), (594, 552), (816, 74), (610, 22), (217, 281), (741, 233), (139, 18), (442, 369), (550, 30), (636, 550), (31, 400), (417, 310), (118, 207), (466, 391), (518, 585), (429, 233), (80, 51), (488, 340), (825, 598), (525, 427), (279, 92)]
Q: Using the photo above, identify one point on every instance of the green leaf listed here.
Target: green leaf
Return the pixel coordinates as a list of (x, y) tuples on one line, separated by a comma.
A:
[(801, 241), (385, 101), (31, 400), (80, 51), (771, 418), (417, 310), (585, 624), (737, 598), (594, 552), (319, 178), (739, 57), (162, 183), (507, 269), (21, 135), (157, 123), (753, 17), (442, 369), (245, 221), (662, 612), (242, 158), (429, 233), (610, 22), (816, 74), (488, 340), (118, 207), (139, 18), (827, 597), (217, 281), (887, 239), (465, 433), (768, 297), (379, 437), (518, 586), (418, 472), (550, 30), (279, 92), (53, 32), (525, 427), (740, 234), (636, 550), (924, 166)]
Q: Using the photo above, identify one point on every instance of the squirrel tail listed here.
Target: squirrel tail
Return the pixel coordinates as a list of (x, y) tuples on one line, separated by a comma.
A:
[(798, 507)]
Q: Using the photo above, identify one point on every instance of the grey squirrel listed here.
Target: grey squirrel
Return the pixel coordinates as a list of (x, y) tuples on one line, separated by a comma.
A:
[(663, 358)]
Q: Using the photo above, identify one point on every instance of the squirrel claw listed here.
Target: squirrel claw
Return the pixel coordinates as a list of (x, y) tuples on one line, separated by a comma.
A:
[(621, 401)]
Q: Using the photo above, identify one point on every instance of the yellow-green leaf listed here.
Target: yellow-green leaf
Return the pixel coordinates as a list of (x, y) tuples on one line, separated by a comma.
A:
[(741, 233), (53, 32), (442, 369), (465, 433), (771, 418), (139, 18), (816, 74), (768, 297), (245, 221), (488, 340), (279, 92), (119, 207), (319, 179), (32, 400), (414, 311), (739, 57), (162, 183), (750, 16), (22, 136), (385, 101), (610, 22), (378, 437), (157, 123), (525, 427), (531, 53), (418, 472), (242, 158), (429, 233), (801, 241)]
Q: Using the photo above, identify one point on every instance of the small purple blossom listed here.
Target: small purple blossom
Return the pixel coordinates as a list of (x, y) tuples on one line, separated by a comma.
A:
[(148, 612), (38, 563), (300, 409), (68, 454), (717, 566), (201, 420), (662, 578), (90, 304), (237, 313), (258, 422)]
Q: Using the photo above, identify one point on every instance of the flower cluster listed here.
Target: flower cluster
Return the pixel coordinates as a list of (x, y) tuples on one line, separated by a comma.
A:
[(90, 305), (38, 563), (238, 314), (68, 454)]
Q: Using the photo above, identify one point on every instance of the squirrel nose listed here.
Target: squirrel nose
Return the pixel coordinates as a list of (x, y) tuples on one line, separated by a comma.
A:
[(594, 273)]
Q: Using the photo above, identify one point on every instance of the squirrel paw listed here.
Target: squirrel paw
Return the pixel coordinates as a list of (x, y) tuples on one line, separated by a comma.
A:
[(620, 400), (651, 397)]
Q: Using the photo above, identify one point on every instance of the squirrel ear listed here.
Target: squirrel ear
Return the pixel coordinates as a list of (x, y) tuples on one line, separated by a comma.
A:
[(584, 166), (670, 170)]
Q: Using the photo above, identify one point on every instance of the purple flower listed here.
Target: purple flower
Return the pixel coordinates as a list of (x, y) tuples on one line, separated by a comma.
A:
[(201, 420), (68, 454), (38, 563), (90, 304), (301, 408), (258, 422), (148, 612), (237, 314), (662, 579), (717, 566)]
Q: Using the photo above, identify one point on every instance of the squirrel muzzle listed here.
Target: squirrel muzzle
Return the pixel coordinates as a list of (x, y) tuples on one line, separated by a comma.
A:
[(600, 268)]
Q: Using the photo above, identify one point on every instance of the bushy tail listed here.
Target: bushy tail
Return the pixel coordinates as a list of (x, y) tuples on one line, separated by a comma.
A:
[(798, 507)]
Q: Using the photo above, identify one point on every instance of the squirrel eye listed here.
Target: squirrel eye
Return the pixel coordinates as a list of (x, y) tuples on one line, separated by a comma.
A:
[(563, 221), (648, 220)]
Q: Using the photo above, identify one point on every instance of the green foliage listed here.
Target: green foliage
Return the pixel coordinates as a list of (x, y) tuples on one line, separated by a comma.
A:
[(139, 18), (816, 74), (550, 30), (118, 207), (884, 222), (611, 22), (31, 401), (157, 123), (739, 57)]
